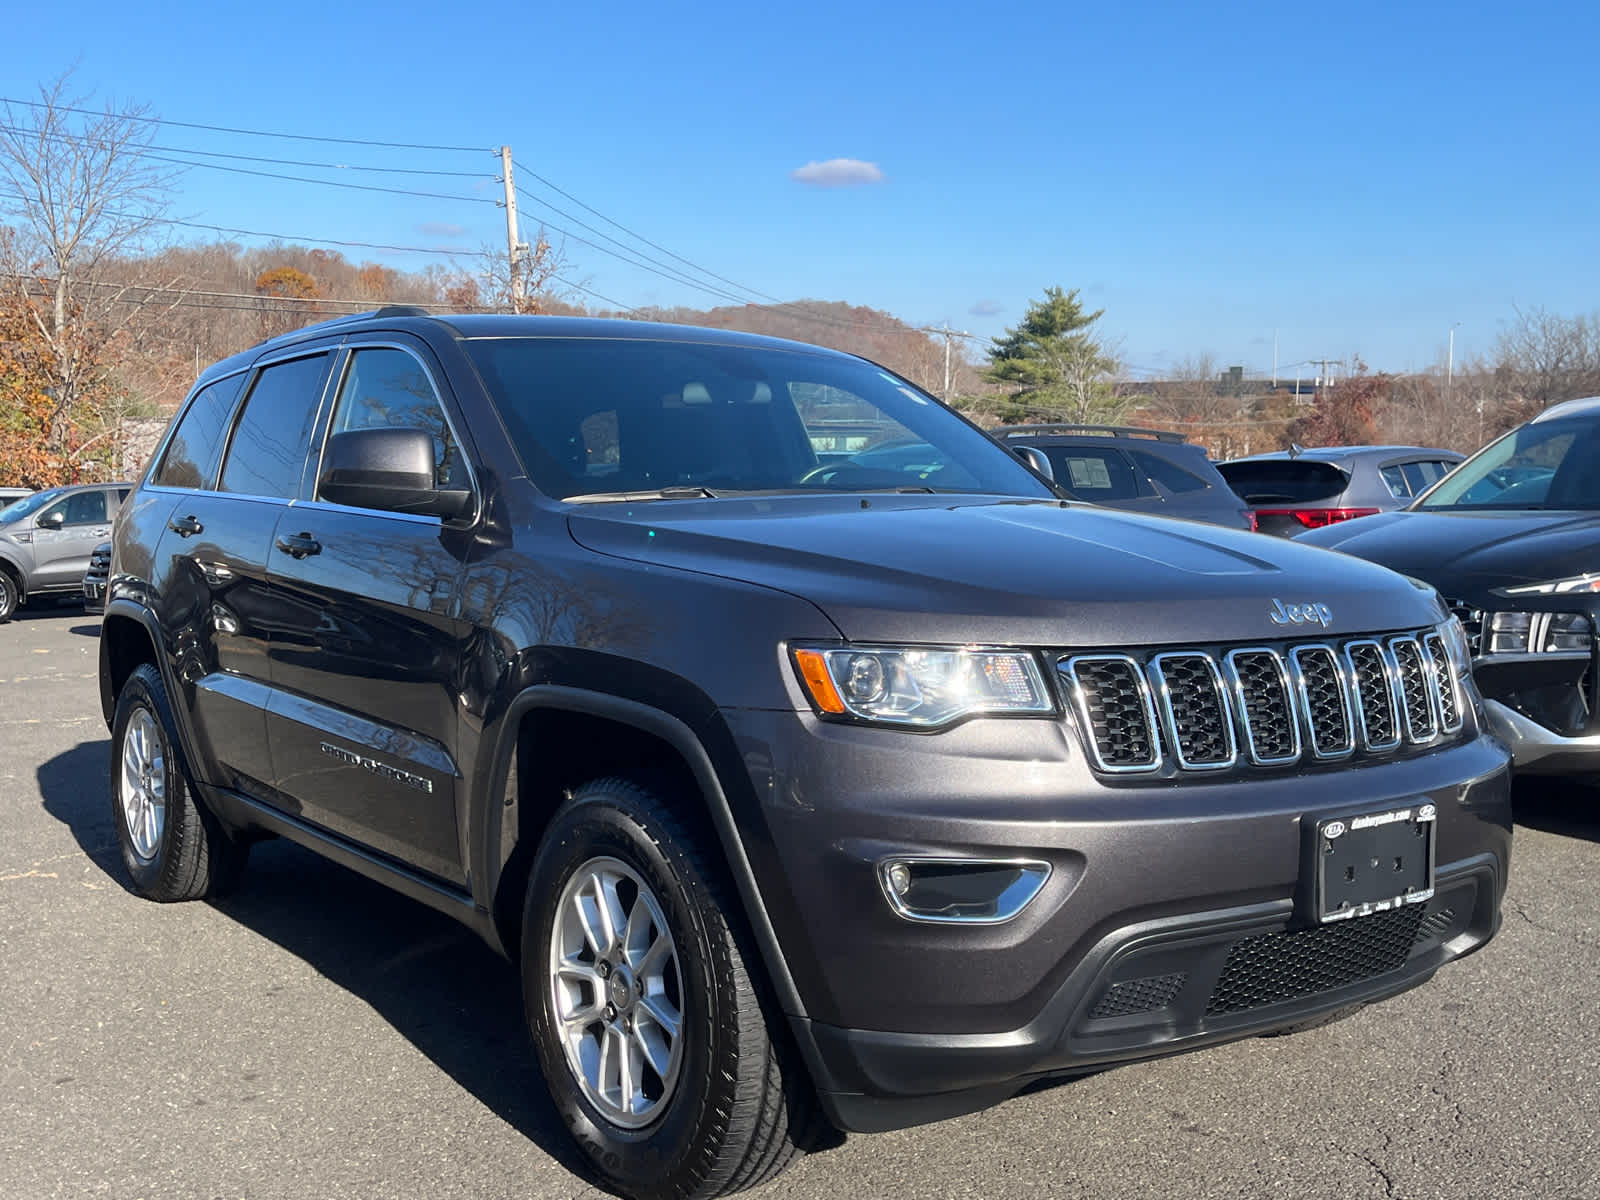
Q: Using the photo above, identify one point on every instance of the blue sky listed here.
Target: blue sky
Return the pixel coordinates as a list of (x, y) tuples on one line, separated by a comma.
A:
[(1358, 177)]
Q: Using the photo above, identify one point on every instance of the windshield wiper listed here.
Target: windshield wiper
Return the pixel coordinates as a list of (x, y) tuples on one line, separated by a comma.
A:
[(692, 492)]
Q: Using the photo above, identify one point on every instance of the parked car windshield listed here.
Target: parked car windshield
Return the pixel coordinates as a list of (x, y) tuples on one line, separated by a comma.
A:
[(595, 418), (27, 506), (1547, 464)]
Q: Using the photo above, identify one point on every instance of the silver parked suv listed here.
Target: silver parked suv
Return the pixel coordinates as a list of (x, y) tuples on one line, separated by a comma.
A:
[(46, 540)]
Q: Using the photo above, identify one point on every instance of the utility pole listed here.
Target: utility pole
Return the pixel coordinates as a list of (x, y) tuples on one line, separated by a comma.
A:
[(1274, 360), (1450, 367), (947, 333), (514, 247)]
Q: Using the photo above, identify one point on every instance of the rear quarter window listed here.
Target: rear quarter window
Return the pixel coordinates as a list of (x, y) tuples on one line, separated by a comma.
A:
[(196, 447), (1168, 474)]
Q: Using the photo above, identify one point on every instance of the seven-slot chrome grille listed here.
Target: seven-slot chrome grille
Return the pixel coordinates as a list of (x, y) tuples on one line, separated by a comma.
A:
[(1264, 706)]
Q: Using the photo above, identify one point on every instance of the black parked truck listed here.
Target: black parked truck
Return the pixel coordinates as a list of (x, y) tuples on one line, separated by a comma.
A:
[(796, 787)]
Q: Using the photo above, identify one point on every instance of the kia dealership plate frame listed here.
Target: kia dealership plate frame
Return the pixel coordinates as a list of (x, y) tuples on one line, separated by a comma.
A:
[(1372, 861)]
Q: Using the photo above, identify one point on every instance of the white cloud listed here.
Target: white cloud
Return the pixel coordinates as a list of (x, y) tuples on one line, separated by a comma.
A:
[(441, 229), (986, 308), (838, 172)]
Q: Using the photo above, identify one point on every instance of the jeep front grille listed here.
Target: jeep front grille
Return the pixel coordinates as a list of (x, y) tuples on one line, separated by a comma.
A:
[(1267, 706)]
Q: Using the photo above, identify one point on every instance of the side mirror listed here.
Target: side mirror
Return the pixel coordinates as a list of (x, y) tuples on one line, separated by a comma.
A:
[(1036, 459), (54, 519), (390, 470)]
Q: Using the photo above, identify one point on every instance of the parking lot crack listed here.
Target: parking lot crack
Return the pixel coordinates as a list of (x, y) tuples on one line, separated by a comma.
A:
[(1372, 1160), (1439, 1087)]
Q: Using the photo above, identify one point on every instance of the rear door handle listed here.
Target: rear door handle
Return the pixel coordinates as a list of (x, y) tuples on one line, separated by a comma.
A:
[(299, 545), (186, 526)]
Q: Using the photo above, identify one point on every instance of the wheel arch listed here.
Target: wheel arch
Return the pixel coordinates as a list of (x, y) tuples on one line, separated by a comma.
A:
[(650, 740), (17, 575)]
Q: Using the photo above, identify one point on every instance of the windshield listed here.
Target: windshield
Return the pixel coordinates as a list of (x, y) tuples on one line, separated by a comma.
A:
[(602, 418), (1548, 464), (27, 506)]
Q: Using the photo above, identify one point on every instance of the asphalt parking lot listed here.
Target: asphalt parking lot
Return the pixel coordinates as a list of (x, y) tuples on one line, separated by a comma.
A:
[(317, 1036)]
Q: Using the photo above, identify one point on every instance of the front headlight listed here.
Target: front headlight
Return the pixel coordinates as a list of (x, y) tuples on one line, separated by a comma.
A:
[(919, 687), (1543, 633), (1556, 587)]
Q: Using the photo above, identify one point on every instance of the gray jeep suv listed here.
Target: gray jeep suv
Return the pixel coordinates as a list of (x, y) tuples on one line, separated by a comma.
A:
[(46, 540), (793, 789)]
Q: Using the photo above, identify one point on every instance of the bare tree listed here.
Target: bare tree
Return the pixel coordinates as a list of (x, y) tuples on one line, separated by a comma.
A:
[(85, 196), (489, 287), (1547, 358)]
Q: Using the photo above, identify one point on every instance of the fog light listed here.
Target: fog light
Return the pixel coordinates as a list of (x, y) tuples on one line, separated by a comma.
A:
[(961, 890), (899, 877)]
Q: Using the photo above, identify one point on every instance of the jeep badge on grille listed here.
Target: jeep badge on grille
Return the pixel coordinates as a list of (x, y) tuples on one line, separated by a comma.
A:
[(1301, 614)]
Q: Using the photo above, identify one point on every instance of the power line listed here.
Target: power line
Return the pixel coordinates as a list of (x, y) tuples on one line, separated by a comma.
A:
[(653, 245), (19, 131), (299, 137), (338, 183)]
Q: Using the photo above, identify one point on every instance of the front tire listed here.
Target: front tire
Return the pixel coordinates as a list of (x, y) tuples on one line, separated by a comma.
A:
[(172, 847), (8, 596), (646, 1019)]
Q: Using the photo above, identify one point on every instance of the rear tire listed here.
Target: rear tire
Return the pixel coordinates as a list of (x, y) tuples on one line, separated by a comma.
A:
[(172, 846), (710, 1100)]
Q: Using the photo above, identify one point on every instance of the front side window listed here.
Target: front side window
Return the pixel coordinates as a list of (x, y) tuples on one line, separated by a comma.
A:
[(268, 453), (388, 388), (602, 417), (80, 508), (196, 447), (1553, 464)]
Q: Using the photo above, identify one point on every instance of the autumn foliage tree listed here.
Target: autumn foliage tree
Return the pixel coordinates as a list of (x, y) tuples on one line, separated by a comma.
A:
[(1344, 413)]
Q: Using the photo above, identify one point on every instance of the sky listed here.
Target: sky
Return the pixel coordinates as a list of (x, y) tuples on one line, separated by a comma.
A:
[(1356, 179)]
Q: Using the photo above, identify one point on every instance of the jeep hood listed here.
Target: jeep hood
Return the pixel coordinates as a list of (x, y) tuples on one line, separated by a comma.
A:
[(986, 570), (1467, 553)]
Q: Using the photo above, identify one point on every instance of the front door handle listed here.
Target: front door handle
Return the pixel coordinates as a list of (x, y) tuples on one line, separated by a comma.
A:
[(299, 545), (186, 526)]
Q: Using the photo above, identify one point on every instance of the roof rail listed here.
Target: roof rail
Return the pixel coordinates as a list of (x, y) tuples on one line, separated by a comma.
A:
[(1127, 431)]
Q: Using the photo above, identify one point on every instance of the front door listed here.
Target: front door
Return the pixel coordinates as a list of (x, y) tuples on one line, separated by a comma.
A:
[(363, 718), (66, 534)]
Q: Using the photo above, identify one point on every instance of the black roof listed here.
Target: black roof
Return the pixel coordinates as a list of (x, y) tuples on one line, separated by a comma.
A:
[(506, 325), (1134, 432)]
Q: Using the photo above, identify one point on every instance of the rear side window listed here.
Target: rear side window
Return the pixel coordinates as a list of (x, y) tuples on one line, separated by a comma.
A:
[(1168, 474), (268, 454), (1283, 480), (386, 388), (1093, 474), (196, 446)]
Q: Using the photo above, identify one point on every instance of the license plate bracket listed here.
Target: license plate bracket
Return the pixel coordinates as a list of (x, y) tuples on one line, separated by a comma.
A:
[(1373, 861)]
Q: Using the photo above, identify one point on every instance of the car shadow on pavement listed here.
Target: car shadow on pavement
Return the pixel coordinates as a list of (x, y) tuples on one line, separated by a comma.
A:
[(86, 630), (1562, 806), (434, 982), (76, 790)]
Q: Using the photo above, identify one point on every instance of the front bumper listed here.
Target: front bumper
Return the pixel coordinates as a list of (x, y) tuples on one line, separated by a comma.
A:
[(1537, 750), (1165, 905)]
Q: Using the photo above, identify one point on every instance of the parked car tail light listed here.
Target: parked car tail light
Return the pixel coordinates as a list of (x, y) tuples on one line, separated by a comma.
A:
[(1249, 514), (1316, 518)]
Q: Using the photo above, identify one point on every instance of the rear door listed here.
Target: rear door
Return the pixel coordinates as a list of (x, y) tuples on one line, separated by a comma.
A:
[(366, 650), (212, 556)]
